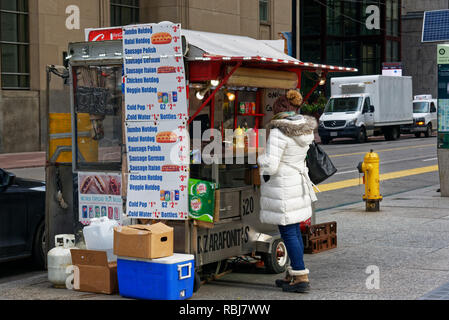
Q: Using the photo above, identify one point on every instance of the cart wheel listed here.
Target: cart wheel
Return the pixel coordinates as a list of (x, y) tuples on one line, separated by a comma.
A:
[(196, 282), (277, 260)]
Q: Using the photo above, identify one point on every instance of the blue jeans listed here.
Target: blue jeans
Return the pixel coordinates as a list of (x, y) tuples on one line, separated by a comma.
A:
[(291, 234)]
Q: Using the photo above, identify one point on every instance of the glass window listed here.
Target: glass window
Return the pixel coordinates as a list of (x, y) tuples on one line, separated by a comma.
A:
[(264, 11), (388, 17), (370, 59), (334, 17), (14, 44), (388, 51), (395, 18), (392, 17), (392, 51), (366, 105), (334, 53), (311, 50), (14, 5), (420, 107), (351, 54), (98, 107), (395, 51), (433, 108), (351, 21), (343, 104), (310, 18), (124, 12)]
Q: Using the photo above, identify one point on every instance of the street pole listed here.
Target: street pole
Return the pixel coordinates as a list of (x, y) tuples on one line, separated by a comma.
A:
[(295, 29)]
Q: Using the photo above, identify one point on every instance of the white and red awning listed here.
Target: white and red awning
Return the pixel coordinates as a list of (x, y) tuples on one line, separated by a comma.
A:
[(258, 59), (210, 46)]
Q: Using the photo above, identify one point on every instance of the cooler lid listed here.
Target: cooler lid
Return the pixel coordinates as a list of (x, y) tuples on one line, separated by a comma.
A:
[(174, 259)]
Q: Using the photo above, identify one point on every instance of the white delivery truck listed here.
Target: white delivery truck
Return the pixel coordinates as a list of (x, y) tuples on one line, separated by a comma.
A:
[(363, 106), (424, 116)]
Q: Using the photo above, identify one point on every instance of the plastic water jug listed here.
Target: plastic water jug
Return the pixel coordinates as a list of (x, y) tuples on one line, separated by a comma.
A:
[(99, 235), (59, 258), (239, 138), (252, 138)]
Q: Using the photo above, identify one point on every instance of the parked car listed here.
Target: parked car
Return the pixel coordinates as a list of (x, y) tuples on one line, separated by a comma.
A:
[(22, 219)]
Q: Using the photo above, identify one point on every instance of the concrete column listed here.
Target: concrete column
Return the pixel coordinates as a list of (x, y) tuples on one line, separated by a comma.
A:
[(105, 13), (298, 29), (443, 164)]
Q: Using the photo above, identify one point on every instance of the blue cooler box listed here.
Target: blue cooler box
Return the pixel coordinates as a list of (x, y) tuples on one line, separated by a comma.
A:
[(169, 278)]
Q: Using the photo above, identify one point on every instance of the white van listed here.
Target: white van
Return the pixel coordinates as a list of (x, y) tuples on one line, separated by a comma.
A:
[(424, 116)]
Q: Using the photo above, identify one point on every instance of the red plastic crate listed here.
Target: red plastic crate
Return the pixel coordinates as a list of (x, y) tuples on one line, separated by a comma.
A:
[(320, 245), (320, 237)]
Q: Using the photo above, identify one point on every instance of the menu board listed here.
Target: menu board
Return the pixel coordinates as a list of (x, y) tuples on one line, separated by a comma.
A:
[(99, 195), (157, 140)]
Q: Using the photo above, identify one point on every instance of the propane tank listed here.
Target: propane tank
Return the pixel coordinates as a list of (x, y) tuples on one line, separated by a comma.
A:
[(59, 258)]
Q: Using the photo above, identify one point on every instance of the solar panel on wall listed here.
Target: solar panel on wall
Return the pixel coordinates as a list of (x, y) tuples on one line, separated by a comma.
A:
[(435, 26)]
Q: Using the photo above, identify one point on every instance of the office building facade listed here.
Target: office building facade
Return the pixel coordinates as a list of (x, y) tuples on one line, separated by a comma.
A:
[(360, 34), (35, 33)]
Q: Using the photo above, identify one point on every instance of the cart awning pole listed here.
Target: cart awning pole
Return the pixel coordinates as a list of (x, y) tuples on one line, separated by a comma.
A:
[(313, 89), (222, 83)]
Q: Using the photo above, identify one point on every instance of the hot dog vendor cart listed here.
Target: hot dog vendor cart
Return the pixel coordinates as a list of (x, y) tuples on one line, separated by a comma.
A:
[(144, 91)]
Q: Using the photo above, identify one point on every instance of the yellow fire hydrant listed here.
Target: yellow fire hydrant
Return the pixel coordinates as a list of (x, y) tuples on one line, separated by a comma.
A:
[(370, 167)]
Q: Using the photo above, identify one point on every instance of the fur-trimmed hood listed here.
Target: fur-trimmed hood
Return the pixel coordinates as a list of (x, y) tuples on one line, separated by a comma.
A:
[(301, 125)]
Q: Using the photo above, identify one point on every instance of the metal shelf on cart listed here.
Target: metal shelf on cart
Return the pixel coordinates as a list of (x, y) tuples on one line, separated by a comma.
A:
[(227, 220)]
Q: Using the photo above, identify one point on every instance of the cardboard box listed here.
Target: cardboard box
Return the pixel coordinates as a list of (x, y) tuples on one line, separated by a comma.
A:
[(144, 241), (93, 272)]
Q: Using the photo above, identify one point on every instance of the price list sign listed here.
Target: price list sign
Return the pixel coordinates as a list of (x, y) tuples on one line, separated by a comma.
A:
[(157, 140)]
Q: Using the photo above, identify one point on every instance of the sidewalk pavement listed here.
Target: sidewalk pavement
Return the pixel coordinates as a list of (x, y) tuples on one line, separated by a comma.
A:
[(407, 242), (22, 160)]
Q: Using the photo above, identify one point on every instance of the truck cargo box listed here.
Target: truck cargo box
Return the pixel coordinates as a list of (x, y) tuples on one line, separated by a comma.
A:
[(392, 97)]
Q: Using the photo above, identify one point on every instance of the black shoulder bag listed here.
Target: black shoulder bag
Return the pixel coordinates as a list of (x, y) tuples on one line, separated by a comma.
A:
[(319, 164)]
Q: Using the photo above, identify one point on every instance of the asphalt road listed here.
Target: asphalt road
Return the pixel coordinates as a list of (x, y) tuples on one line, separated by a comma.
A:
[(395, 156)]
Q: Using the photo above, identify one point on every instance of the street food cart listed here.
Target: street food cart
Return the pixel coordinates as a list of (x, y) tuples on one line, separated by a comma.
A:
[(230, 84)]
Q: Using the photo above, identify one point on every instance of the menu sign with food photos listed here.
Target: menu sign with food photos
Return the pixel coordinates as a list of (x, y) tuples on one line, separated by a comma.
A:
[(153, 145), (154, 75), (157, 142), (99, 195)]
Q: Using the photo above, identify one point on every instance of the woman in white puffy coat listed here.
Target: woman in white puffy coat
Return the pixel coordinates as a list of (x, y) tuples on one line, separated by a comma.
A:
[(286, 198)]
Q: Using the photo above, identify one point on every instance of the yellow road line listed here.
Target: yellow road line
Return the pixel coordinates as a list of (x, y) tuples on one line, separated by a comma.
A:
[(383, 177), (383, 150)]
